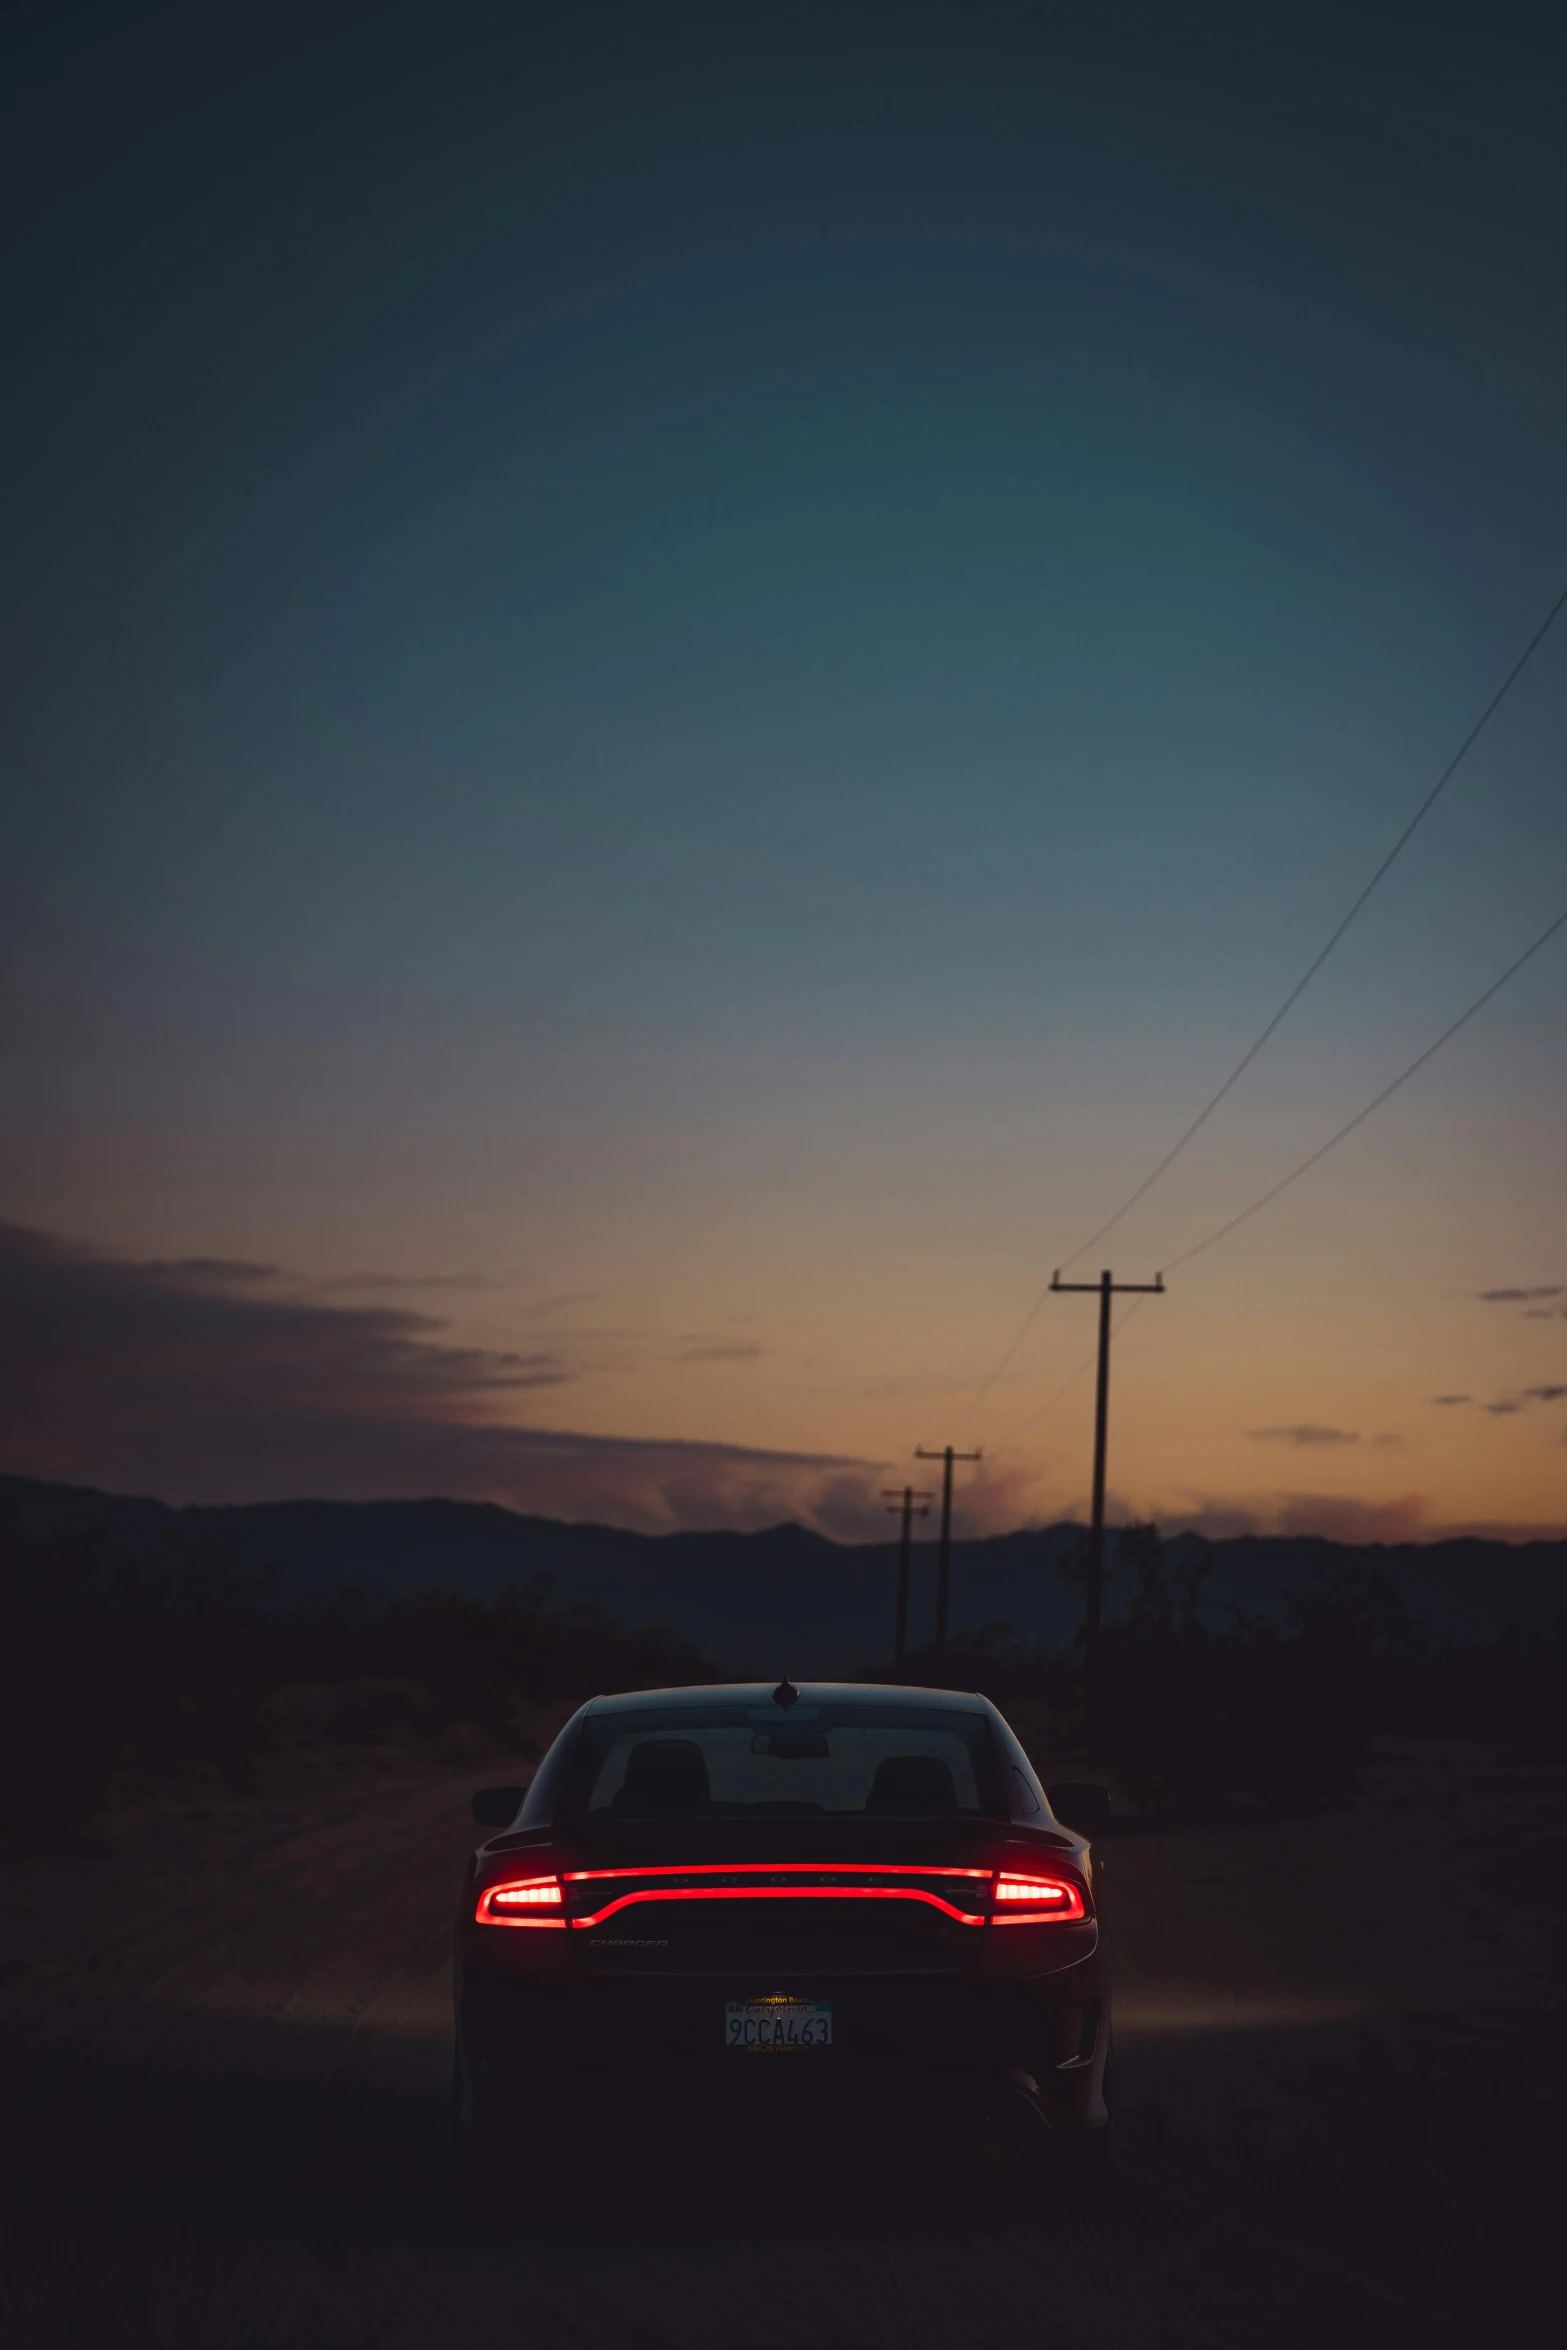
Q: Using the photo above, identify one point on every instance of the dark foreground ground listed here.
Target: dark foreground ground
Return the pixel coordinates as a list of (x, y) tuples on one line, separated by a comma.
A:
[(1339, 2054)]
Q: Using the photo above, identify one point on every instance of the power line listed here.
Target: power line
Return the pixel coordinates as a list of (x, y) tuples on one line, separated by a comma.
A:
[(1375, 1103), (980, 1393), (1058, 1395), (1038, 1411), (1106, 1288), (1310, 973), (1294, 996)]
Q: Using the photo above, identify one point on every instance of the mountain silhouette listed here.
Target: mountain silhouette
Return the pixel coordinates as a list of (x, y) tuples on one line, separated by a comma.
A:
[(781, 1599)]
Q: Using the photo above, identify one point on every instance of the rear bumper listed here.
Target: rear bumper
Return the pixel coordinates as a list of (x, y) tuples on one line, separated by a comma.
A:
[(892, 2034)]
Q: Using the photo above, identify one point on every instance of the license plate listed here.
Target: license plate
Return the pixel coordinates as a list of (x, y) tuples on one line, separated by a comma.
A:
[(778, 2023)]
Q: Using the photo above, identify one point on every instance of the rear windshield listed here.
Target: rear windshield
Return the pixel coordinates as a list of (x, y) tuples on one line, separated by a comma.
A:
[(706, 1762)]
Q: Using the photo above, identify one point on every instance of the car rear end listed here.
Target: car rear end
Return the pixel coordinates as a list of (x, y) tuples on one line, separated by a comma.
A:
[(711, 1895)]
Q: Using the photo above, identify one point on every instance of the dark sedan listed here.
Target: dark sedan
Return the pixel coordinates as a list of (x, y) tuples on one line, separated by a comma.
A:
[(742, 1887)]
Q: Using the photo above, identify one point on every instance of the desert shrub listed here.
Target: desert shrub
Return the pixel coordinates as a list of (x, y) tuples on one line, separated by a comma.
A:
[(100, 1660), (1187, 1713), (362, 1711), (190, 1662), (59, 1737), (983, 1657)]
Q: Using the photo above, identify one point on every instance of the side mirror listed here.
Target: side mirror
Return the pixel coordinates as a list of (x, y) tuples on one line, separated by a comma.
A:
[(1078, 1803), (497, 1807)]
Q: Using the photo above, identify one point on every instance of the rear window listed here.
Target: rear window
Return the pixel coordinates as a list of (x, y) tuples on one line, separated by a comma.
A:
[(705, 1762)]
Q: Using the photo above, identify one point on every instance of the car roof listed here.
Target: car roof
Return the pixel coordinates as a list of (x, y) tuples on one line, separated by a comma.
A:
[(873, 1694)]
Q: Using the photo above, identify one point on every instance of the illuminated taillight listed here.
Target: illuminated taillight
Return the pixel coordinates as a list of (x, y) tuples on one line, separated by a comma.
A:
[(524, 1902), (795, 1892), (1036, 1901)]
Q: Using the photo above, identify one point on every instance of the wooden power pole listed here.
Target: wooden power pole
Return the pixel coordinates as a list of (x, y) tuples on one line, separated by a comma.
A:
[(946, 1456), (904, 1502), (1106, 1288)]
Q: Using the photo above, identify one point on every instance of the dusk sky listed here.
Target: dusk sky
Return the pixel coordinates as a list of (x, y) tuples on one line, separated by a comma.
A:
[(681, 681)]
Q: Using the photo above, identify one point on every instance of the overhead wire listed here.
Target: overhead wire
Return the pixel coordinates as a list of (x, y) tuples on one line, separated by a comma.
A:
[(1038, 1411), (1266, 1199), (1312, 968), (981, 1393)]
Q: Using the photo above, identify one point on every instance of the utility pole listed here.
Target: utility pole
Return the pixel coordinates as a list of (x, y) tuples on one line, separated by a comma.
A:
[(908, 1504), (944, 1557), (1106, 1288)]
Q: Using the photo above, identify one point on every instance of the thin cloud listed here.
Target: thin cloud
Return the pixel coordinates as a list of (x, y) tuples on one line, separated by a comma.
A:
[(1305, 1433), (1337, 1517), (1545, 1394), (206, 1386), (409, 1281), (221, 1271), (1518, 1297), (1387, 1441), (719, 1353), (1504, 1407), (1452, 1399)]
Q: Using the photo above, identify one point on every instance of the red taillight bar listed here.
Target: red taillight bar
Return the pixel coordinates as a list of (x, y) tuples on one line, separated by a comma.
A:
[(1015, 1900), (1042, 1901), (502, 1905), (773, 1868), (964, 1917)]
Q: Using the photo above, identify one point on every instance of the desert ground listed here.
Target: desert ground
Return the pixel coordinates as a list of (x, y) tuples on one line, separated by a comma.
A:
[(226, 2034)]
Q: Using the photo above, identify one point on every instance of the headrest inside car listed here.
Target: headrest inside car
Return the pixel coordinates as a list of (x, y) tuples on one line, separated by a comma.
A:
[(664, 1774), (912, 1783)]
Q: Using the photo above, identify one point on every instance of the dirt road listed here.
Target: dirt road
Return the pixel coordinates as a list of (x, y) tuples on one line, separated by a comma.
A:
[(226, 2033)]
